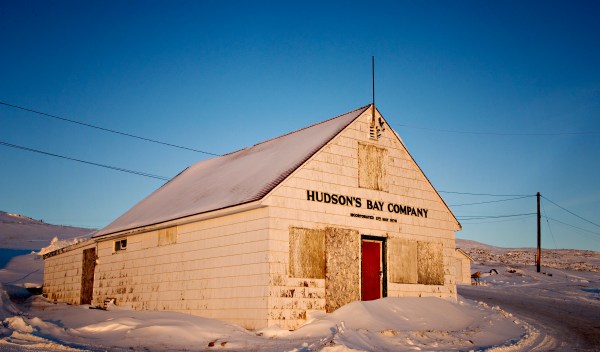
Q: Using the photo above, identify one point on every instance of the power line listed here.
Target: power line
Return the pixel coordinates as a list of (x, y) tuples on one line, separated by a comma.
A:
[(570, 212), (487, 222), (481, 217), (548, 222), (487, 194), (573, 226), (24, 277), (140, 173), (105, 129), (568, 133), (491, 201)]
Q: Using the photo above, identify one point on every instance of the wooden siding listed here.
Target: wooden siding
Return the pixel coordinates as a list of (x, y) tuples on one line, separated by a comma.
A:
[(215, 268), (335, 170), (250, 267), (63, 274), (462, 267)]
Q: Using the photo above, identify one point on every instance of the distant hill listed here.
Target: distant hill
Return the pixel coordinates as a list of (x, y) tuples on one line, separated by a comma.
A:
[(468, 244), (21, 232), (571, 259)]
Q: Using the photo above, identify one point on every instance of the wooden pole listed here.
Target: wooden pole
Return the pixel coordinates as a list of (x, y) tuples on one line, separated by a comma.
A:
[(539, 234)]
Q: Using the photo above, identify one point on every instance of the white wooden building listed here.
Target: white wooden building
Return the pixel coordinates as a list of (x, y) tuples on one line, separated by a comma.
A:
[(309, 221), (462, 267)]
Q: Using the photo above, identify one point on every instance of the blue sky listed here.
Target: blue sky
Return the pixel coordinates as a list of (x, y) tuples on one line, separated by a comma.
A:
[(222, 75)]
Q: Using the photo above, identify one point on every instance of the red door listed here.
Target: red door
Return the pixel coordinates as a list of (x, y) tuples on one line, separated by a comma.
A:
[(371, 269)]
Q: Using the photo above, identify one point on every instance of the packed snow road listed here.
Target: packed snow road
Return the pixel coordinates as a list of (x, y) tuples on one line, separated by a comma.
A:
[(564, 320)]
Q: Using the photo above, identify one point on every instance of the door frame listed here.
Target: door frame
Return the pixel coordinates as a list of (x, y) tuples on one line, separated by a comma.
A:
[(383, 241)]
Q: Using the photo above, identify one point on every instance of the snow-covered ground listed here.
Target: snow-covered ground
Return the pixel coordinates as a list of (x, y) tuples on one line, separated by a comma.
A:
[(18, 232), (561, 302), (31, 323)]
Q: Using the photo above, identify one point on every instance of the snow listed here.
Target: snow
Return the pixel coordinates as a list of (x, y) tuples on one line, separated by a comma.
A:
[(20, 236), (32, 323), (57, 243), (20, 232), (391, 324), (232, 179), (560, 303)]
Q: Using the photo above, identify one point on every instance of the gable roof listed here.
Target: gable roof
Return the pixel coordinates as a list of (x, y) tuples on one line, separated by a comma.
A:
[(233, 179), (458, 250)]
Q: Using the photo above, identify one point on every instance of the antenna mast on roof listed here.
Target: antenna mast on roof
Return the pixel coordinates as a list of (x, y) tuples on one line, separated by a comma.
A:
[(376, 126), (373, 81)]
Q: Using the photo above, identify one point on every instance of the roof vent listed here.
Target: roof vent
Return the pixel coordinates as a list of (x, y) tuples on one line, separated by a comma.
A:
[(376, 128)]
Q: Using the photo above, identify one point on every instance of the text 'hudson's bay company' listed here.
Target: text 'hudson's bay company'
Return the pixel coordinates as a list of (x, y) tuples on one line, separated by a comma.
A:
[(324, 197)]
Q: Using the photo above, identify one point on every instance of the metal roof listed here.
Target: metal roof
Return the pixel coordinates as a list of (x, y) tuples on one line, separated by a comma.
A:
[(233, 179)]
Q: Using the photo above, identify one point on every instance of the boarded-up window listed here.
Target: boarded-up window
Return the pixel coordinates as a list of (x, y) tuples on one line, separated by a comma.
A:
[(415, 262), (342, 282), (430, 263), (307, 253), (167, 236), (403, 261), (371, 167)]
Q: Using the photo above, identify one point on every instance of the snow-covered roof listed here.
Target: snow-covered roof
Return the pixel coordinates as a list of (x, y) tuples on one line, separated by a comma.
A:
[(464, 254), (232, 179)]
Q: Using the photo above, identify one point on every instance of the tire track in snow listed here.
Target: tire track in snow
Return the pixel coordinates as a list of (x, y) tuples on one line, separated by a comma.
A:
[(563, 324)]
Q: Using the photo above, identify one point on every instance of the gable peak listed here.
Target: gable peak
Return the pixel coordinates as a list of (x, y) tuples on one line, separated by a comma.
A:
[(377, 125)]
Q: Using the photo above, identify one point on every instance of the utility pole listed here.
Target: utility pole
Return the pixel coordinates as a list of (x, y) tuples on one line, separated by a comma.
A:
[(539, 234)]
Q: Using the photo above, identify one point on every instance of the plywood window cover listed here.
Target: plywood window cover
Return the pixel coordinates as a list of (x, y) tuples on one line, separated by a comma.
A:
[(403, 261), (372, 173), (416, 262), (430, 263), (167, 236), (307, 253)]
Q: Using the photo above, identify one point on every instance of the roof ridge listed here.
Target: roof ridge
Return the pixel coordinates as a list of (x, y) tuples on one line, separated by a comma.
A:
[(219, 183), (298, 130)]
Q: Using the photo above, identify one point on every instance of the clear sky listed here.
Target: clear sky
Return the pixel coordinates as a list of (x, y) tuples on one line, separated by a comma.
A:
[(223, 75)]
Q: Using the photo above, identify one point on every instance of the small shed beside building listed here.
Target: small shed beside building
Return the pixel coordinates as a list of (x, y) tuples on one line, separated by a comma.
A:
[(462, 267), (310, 221)]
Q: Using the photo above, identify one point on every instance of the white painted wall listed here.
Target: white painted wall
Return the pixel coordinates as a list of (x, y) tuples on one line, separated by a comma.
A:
[(62, 274), (217, 269), (234, 267), (462, 265), (334, 169)]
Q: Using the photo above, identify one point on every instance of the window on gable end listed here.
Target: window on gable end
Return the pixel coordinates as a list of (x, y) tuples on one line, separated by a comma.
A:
[(372, 172)]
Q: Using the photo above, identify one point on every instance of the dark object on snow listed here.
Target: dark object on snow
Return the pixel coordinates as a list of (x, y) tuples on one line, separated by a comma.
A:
[(478, 275), (36, 291)]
